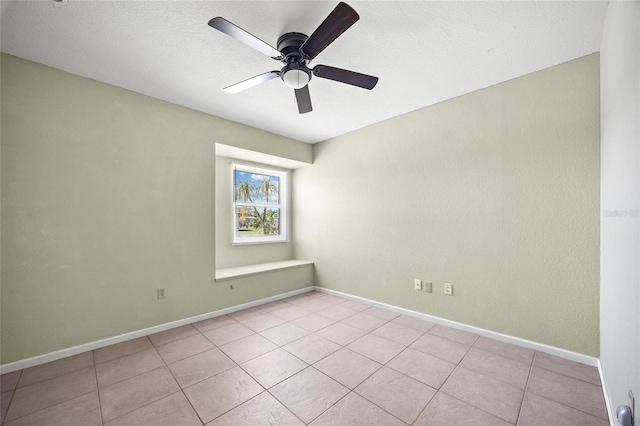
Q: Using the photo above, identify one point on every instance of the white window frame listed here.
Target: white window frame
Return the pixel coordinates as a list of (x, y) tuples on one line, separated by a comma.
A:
[(283, 175)]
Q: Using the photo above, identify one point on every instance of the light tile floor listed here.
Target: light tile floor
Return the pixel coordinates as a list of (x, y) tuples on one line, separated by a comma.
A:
[(310, 359)]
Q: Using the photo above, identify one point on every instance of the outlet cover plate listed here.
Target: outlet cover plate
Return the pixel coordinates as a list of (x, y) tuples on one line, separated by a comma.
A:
[(427, 286), (448, 289)]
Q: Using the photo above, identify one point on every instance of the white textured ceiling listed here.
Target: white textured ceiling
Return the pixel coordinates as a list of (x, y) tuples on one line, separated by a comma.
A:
[(423, 52)]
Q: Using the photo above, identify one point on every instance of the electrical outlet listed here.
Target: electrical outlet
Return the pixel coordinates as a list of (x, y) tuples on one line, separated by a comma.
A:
[(426, 286), (161, 294), (448, 289), (417, 285)]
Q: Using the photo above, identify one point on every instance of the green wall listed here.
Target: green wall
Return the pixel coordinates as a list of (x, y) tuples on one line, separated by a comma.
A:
[(106, 196), (496, 192)]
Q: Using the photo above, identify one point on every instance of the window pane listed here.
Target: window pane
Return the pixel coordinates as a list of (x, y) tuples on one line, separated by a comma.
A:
[(256, 188), (257, 221)]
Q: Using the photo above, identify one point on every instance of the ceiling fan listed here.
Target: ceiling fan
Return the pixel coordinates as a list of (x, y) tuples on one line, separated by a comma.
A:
[(295, 51)]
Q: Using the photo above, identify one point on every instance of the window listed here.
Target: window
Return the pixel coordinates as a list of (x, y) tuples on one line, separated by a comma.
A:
[(259, 204)]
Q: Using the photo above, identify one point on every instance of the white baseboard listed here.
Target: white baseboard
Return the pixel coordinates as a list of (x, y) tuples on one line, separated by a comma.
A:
[(551, 350), (53, 356)]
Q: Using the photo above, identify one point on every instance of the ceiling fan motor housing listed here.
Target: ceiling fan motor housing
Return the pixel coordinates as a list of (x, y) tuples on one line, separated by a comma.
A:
[(295, 73), (289, 45)]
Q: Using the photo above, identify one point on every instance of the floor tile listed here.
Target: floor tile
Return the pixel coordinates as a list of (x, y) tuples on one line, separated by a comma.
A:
[(568, 391), (341, 333), (246, 314), (498, 367), (364, 321), (454, 334), (184, 348), (128, 366), (273, 367), (196, 368), (5, 399), (309, 393), (172, 334), (539, 411), (398, 333), (47, 393), (118, 350), (355, 410), (169, 411), (347, 367), (262, 322), (506, 350), (295, 300), (213, 323), (315, 304), (384, 314), (356, 306), (274, 306), (212, 397), (283, 334), (490, 395), (290, 312), (123, 397), (440, 347), (315, 294), (396, 393), (247, 348), (81, 411), (425, 368), (228, 333), (447, 410), (311, 348), (337, 312), (263, 409), (330, 298), (57, 368), (9, 381), (586, 373), (313, 322), (412, 322), (376, 348)]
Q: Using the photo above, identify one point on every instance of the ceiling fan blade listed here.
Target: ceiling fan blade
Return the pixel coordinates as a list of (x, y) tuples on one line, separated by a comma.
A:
[(241, 35), (338, 21), (304, 100), (253, 81), (345, 76)]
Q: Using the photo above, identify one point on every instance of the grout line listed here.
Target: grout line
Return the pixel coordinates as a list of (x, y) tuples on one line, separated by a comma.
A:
[(95, 372), (526, 386), (558, 402), (121, 356), (13, 394), (571, 377), (46, 408), (175, 380), (282, 403)]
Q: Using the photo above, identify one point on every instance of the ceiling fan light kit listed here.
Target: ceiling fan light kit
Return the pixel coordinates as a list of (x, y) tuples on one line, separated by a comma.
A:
[(295, 51)]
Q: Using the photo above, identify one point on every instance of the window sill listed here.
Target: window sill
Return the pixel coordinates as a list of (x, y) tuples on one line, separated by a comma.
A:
[(243, 271)]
